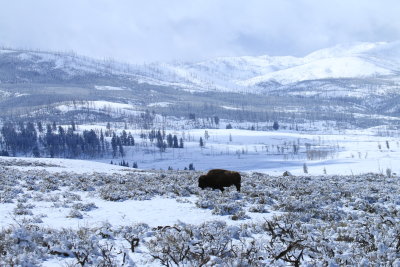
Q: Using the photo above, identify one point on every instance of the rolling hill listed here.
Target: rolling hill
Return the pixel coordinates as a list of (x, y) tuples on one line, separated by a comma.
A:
[(359, 80)]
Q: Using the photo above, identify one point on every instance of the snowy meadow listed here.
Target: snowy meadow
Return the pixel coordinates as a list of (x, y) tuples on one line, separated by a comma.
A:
[(336, 204), (118, 216), (320, 151)]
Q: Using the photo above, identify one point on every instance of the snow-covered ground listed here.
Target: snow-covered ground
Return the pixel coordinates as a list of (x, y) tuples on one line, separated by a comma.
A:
[(109, 88), (58, 210), (272, 152), (103, 106), (53, 215)]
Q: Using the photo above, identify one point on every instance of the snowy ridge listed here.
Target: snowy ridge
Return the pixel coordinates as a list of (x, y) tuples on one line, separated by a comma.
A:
[(357, 61), (246, 73), (345, 67)]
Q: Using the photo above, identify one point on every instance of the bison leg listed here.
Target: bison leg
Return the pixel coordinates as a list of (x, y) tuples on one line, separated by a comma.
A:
[(237, 187), (221, 188)]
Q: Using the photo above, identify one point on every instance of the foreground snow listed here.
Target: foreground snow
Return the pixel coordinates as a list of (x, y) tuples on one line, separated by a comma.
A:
[(54, 216)]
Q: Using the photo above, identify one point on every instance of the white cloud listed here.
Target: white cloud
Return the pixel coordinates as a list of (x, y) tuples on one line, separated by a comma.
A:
[(139, 31)]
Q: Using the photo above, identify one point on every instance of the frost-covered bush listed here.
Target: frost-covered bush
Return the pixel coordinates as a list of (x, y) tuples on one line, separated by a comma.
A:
[(23, 209), (226, 203), (319, 220), (259, 208), (70, 197), (208, 244), (21, 245), (49, 183), (84, 206), (30, 245), (133, 234), (228, 208), (105, 231), (73, 213)]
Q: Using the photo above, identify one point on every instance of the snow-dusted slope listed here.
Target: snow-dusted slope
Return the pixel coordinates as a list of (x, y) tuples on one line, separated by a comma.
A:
[(342, 67), (361, 60), (356, 61)]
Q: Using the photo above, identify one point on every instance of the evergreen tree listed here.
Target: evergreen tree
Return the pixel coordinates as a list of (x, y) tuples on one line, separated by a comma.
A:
[(170, 140), (124, 138), (73, 126), (114, 145), (201, 142), (191, 167), (275, 126), (131, 140), (305, 168), (160, 142), (120, 147), (36, 152), (40, 127), (181, 142), (216, 120), (102, 141), (175, 142), (108, 131)]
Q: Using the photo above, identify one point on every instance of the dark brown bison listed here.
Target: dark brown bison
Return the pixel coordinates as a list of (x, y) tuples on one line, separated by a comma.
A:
[(218, 179)]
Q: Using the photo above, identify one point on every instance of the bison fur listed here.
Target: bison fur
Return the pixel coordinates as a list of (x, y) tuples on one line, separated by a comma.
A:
[(218, 179)]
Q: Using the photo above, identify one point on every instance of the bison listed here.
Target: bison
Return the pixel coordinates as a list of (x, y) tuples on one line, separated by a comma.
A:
[(218, 179)]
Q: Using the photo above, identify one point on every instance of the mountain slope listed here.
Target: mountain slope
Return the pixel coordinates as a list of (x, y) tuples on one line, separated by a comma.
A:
[(363, 60), (361, 77)]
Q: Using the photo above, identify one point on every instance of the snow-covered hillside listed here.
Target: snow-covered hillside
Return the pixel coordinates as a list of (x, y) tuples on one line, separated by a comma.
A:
[(346, 79), (343, 61), (358, 60)]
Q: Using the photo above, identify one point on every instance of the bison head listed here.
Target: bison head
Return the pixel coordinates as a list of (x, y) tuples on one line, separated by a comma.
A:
[(202, 182)]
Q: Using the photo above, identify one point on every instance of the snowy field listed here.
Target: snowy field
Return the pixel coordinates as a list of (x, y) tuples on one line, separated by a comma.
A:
[(339, 207), (273, 152), (59, 212)]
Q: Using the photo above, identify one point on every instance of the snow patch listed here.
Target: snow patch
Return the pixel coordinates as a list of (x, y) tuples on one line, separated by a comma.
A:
[(109, 88), (160, 104)]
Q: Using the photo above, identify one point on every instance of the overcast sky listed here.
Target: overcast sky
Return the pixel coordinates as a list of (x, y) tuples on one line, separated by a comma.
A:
[(166, 30)]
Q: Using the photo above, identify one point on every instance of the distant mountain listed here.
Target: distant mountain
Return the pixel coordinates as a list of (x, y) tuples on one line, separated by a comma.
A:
[(362, 77), (362, 60)]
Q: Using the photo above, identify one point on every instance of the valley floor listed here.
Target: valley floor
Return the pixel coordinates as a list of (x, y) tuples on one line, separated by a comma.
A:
[(273, 152)]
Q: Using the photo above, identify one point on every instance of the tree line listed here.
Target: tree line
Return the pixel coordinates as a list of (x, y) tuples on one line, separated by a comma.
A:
[(56, 141), (52, 140)]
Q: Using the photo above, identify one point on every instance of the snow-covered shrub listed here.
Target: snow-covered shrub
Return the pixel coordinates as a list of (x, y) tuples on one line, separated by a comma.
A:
[(105, 231), (70, 197), (134, 234), (226, 208), (73, 213), (329, 220), (207, 199), (23, 209), (182, 244), (9, 193), (21, 245), (226, 203), (259, 208), (84, 206), (85, 247), (49, 183)]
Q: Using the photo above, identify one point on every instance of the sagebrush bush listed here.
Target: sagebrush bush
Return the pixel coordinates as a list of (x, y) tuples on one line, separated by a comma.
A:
[(315, 220)]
